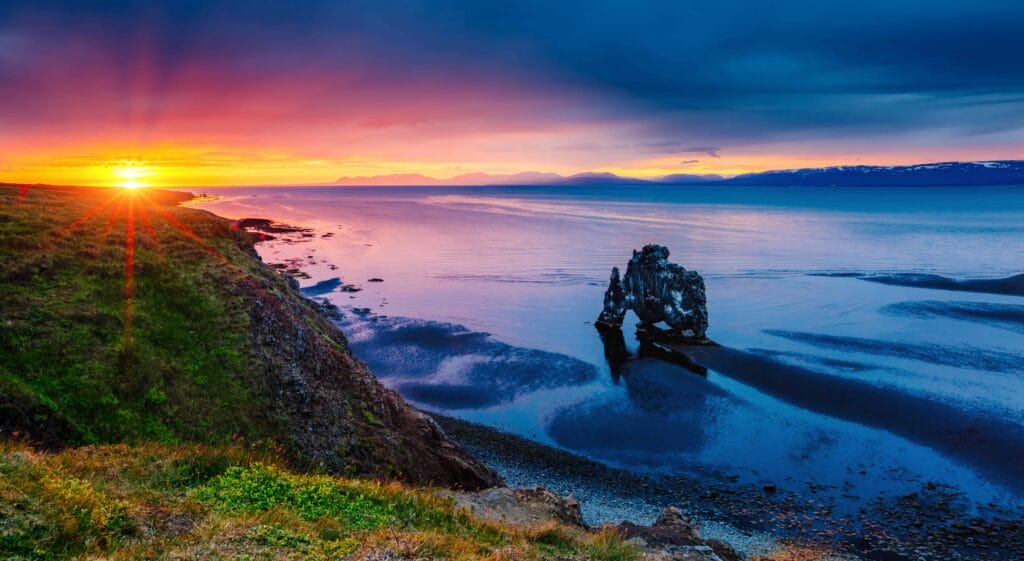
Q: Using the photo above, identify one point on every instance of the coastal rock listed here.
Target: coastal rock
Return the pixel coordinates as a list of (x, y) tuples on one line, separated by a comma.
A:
[(525, 507), (657, 291), (670, 529), (266, 226), (673, 537)]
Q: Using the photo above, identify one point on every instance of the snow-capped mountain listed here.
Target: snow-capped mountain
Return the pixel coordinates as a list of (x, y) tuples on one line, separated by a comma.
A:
[(999, 172)]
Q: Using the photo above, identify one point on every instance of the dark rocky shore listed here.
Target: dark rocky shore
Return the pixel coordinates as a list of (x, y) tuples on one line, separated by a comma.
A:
[(922, 525)]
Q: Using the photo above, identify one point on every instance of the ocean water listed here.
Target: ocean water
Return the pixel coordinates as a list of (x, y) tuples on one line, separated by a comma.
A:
[(827, 375)]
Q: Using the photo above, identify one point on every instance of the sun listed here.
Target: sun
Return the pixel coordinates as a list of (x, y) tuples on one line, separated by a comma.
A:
[(131, 176)]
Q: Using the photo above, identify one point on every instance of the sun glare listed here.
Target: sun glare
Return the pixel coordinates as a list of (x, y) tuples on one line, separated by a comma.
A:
[(131, 176)]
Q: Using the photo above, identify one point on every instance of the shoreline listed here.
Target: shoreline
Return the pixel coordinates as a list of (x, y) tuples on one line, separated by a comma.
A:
[(754, 520), (918, 525), (607, 495)]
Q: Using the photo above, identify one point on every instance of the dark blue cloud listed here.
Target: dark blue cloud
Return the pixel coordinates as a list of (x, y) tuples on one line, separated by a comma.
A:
[(709, 150), (697, 72)]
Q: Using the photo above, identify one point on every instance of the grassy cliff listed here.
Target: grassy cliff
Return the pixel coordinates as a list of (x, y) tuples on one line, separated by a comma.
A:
[(127, 318)]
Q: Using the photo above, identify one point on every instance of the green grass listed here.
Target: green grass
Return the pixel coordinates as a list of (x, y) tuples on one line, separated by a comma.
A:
[(160, 501), (181, 372), (356, 504)]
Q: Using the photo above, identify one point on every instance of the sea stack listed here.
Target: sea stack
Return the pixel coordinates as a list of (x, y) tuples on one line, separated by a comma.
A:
[(657, 291)]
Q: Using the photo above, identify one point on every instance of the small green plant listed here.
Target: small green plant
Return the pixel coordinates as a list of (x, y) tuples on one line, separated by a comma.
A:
[(155, 396), (307, 547), (277, 536), (81, 515), (368, 415)]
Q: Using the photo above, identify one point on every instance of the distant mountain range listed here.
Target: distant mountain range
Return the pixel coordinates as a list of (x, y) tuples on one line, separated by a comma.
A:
[(998, 172), (476, 178)]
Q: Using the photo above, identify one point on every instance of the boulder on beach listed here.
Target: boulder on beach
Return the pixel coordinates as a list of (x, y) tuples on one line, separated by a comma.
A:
[(657, 291)]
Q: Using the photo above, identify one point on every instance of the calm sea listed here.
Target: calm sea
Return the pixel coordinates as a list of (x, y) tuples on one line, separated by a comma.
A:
[(488, 296)]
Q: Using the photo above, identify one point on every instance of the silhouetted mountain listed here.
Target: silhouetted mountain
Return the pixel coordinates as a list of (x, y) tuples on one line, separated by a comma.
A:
[(533, 178), (999, 172), (601, 178), (521, 178), (475, 178), (689, 178), (385, 180)]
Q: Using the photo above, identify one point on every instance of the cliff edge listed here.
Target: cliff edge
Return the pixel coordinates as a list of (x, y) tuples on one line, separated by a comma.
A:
[(126, 318)]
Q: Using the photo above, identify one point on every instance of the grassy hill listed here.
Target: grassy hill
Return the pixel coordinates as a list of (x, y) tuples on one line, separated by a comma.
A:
[(127, 318)]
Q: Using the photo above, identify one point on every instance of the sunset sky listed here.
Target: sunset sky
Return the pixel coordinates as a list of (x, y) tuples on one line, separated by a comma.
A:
[(261, 92)]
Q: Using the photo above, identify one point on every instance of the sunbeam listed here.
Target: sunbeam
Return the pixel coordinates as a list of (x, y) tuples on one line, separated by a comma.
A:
[(69, 229), (129, 272), (147, 225)]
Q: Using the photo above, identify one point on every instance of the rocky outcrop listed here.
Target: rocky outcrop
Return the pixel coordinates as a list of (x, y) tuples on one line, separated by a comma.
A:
[(674, 537), (671, 528), (521, 507), (657, 291)]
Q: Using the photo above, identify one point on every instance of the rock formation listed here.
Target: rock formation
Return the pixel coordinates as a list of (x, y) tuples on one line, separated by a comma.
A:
[(657, 291), (673, 537)]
